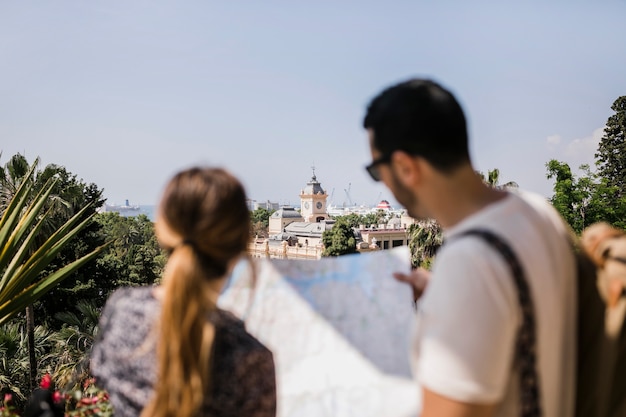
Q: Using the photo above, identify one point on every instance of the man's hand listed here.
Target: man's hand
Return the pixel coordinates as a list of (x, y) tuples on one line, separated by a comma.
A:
[(417, 279)]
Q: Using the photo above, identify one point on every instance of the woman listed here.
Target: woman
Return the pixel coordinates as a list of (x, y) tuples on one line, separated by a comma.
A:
[(168, 350)]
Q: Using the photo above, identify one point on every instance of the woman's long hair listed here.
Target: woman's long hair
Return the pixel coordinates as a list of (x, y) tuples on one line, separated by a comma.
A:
[(205, 223)]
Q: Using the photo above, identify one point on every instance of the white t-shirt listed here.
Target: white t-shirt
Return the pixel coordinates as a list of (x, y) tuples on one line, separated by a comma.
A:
[(469, 316)]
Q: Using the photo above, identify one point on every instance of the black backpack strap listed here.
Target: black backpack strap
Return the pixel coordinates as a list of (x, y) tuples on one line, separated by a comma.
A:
[(526, 345)]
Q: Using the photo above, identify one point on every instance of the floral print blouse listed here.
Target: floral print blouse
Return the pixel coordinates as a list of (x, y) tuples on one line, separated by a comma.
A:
[(123, 360)]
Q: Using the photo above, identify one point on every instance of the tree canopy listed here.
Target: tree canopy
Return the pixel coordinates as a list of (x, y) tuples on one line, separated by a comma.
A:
[(611, 154), (339, 240), (595, 196), (47, 200), (492, 179), (260, 219), (425, 237), (372, 218)]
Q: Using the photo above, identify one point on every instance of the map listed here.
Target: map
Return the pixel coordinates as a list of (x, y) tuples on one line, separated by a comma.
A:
[(339, 329)]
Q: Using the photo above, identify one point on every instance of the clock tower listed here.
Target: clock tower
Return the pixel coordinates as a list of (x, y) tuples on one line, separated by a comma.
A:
[(313, 201)]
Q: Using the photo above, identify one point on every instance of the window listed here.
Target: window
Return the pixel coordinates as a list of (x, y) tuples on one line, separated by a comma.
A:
[(397, 243)]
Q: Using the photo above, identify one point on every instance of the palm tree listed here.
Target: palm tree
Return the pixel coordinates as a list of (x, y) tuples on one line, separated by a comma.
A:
[(31, 236), (493, 180), (12, 175), (14, 363), (70, 357), (425, 237)]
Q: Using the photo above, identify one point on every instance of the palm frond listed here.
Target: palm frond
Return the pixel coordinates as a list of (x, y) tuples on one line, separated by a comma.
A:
[(23, 258)]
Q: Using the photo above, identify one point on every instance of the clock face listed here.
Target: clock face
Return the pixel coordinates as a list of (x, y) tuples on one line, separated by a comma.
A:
[(306, 205), (319, 205)]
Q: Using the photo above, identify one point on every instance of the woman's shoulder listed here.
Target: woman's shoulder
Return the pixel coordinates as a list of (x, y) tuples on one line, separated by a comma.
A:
[(132, 293), (130, 303), (232, 332), (130, 296)]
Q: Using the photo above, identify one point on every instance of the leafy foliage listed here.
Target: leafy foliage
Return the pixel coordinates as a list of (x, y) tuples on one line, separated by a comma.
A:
[(260, 219), (352, 219), (14, 363), (425, 237), (585, 199), (69, 353), (369, 219), (55, 212), (595, 196), (374, 218), (88, 401), (339, 240), (611, 154), (85, 400), (13, 360), (492, 179), (135, 258), (24, 257)]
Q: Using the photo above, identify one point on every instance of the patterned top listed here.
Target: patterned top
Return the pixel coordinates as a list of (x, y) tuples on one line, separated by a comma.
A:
[(123, 360)]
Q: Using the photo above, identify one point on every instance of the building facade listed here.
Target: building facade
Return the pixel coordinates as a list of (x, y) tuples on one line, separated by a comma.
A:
[(298, 234), (313, 201)]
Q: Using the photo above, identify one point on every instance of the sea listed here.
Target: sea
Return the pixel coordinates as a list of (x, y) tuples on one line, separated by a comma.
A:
[(148, 210)]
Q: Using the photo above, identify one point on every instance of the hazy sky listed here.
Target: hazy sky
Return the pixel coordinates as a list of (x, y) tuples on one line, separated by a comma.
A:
[(125, 93)]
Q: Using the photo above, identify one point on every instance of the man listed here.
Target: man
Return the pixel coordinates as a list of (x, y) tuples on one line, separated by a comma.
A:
[(469, 314)]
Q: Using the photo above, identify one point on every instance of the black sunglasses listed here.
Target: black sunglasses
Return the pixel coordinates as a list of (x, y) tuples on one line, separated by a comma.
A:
[(372, 168)]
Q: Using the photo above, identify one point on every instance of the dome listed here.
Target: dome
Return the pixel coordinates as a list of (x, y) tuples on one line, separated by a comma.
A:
[(286, 213), (383, 205), (313, 187)]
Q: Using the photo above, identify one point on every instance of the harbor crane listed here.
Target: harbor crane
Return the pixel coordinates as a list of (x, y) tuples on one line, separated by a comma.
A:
[(348, 194)]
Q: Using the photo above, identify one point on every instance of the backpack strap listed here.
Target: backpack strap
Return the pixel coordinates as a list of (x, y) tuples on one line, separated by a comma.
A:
[(526, 344)]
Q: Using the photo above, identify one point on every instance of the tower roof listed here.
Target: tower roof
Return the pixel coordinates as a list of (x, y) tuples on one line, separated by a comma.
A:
[(313, 186), (286, 213)]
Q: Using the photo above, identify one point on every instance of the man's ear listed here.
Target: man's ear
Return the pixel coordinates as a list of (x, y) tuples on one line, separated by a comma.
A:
[(407, 168)]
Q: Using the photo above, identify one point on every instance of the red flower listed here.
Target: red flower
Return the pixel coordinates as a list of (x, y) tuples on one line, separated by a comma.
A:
[(46, 381), (89, 381), (7, 398), (57, 397)]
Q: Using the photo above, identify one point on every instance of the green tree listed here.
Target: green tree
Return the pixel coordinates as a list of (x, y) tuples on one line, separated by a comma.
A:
[(339, 240), (585, 199), (68, 360), (13, 360), (261, 215), (75, 194), (493, 179), (135, 257), (611, 154), (14, 357), (567, 198), (595, 196), (353, 219), (260, 219), (374, 218), (425, 237), (33, 231)]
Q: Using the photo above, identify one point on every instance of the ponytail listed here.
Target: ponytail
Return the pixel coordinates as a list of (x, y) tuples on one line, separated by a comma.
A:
[(185, 339), (203, 216)]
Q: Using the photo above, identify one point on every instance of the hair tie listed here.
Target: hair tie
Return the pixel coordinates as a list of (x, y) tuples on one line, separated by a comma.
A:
[(188, 242)]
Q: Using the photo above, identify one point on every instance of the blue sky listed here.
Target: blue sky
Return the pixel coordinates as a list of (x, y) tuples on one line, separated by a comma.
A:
[(125, 93)]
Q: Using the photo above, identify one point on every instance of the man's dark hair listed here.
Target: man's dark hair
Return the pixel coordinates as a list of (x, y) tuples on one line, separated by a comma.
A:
[(421, 118)]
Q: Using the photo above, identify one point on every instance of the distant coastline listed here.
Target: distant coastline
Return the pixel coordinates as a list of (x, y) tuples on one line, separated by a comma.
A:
[(147, 210)]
